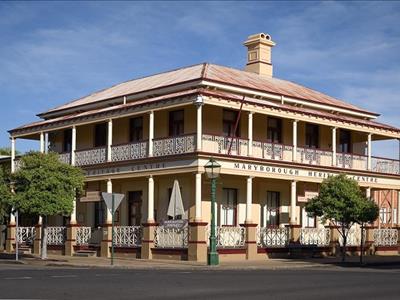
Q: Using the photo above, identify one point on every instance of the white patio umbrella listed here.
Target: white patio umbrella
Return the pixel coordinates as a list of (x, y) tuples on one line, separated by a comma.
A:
[(175, 207)]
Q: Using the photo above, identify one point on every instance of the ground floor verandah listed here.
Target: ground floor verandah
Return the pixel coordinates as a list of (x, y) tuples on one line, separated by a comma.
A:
[(256, 218)]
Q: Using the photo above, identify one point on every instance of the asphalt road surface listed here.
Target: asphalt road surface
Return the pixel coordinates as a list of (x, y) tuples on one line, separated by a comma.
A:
[(22, 282)]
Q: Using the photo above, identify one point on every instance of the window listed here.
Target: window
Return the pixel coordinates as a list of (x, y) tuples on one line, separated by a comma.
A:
[(176, 122), (229, 122), (99, 213), (274, 130), (312, 136), (344, 141), (100, 135), (307, 220), (228, 207), (270, 213), (135, 208), (136, 129), (67, 142)]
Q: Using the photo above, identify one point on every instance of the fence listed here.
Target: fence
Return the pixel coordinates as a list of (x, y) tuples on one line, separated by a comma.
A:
[(315, 236), (127, 236), (165, 237), (273, 237)]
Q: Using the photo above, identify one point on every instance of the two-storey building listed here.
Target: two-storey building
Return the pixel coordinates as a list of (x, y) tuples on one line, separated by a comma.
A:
[(275, 141)]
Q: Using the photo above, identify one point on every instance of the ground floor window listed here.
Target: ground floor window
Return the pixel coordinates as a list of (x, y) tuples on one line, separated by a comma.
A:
[(99, 213), (229, 207), (270, 210), (307, 220), (135, 208)]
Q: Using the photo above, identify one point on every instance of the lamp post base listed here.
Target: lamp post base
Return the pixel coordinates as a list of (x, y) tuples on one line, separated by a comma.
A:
[(213, 259)]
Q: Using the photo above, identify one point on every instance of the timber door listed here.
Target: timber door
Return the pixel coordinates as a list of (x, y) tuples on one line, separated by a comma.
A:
[(135, 208)]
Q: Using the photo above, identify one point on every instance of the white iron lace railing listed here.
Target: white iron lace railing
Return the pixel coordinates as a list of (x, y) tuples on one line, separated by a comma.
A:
[(65, 157), (91, 156), (386, 237), (314, 156), (25, 235), (127, 236), (221, 144), (353, 237), (56, 235), (174, 145), (385, 165), (83, 235), (351, 161), (168, 237), (129, 151), (270, 150), (315, 236), (230, 237), (272, 237)]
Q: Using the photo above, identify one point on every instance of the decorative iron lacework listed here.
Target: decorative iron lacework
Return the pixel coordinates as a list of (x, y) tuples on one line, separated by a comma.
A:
[(90, 157), (83, 235), (223, 143), (229, 237), (310, 156), (171, 237), (353, 237), (174, 145), (386, 237), (127, 236), (383, 165), (129, 151), (315, 236), (65, 157), (56, 235), (272, 237), (25, 235)]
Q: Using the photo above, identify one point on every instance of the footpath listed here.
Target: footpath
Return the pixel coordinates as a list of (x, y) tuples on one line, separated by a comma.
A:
[(142, 264)]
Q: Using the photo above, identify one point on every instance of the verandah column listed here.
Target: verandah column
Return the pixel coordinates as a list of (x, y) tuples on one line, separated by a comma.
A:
[(199, 124), (251, 228), (109, 139), (151, 133), (294, 153), (293, 222), (250, 134), (334, 146), (38, 233), (73, 145), (107, 234), (71, 232), (11, 231), (369, 161), (149, 226), (197, 248)]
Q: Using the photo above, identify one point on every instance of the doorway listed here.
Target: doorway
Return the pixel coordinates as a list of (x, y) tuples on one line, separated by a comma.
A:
[(135, 208)]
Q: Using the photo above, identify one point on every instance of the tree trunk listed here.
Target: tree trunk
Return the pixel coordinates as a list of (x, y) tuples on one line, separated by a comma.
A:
[(43, 254), (362, 243), (344, 244)]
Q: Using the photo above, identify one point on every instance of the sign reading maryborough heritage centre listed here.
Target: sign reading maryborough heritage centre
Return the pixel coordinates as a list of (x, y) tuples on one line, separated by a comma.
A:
[(297, 172)]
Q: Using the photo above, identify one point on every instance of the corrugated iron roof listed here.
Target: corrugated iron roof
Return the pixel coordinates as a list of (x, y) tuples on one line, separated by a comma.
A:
[(215, 73)]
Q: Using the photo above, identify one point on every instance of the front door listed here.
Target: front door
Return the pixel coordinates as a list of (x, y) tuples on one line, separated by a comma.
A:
[(135, 208)]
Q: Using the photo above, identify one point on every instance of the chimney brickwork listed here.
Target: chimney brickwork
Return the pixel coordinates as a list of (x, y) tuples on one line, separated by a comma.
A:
[(259, 48)]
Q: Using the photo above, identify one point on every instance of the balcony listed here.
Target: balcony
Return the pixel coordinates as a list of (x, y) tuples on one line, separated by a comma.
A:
[(237, 147)]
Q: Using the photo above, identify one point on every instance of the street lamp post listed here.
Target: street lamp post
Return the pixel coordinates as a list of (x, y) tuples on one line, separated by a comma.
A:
[(212, 170)]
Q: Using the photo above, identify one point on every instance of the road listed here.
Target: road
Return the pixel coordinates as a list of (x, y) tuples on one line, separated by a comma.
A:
[(24, 282)]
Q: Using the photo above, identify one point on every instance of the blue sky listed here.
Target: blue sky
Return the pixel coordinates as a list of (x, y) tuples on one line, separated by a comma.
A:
[(53, 52)]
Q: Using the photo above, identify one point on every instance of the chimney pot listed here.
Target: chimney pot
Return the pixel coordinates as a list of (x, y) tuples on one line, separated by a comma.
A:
[(259, 47)]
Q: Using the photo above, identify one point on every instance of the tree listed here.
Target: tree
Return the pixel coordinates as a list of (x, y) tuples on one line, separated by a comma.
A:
[(368, 211), (341, 202), (5, 194), (45, 186)]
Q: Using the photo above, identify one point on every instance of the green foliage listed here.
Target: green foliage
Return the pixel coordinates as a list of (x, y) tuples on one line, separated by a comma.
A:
[(5, 194), (7, 151), (45, 186), (340, 200)]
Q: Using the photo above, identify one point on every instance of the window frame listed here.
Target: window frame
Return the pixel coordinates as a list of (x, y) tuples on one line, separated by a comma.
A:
[(135, 132), (230, 123), (312, 136), (96, 136), (271, 131), (176, 126)]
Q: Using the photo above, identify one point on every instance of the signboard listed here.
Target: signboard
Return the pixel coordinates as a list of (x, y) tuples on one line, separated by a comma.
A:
[(178, 224), (91, 196), (307, 196), (108, 198)]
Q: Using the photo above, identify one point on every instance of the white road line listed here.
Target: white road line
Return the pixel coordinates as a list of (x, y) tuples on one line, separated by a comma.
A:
[(63, 276), (17, 278)]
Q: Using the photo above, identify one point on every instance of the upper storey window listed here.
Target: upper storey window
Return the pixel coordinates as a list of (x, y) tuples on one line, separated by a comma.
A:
[(274, 130), (176, 123), (312, 136), (136, 129), (100, 135), (229, 122), (344, 141), (67, 142)]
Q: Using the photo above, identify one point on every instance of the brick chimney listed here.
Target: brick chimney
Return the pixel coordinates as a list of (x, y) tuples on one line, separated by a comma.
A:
[(259, 48)]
